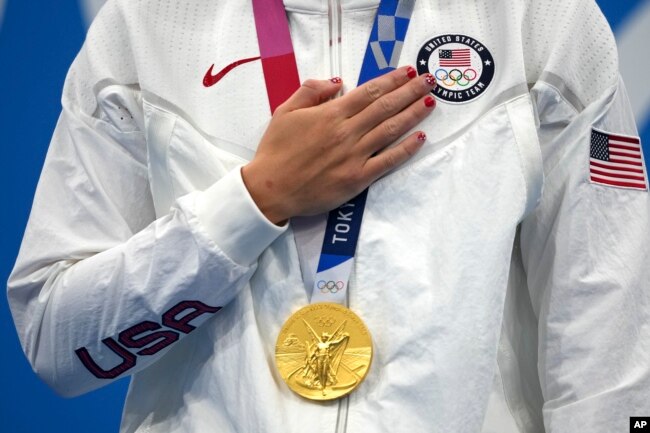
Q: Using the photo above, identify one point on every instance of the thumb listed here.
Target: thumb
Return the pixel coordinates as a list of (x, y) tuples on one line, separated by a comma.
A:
[(311, 93)]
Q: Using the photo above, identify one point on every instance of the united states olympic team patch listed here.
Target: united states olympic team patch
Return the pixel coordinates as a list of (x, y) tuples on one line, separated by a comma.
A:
[(463, 67)]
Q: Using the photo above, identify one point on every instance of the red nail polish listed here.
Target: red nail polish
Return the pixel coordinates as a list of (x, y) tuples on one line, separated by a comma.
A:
[(411, 72), (429, 101), (422, 137), (430, 79), (336, 80)]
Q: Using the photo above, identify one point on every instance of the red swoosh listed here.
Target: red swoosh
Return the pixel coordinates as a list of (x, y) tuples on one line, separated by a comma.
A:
[(211, 80)]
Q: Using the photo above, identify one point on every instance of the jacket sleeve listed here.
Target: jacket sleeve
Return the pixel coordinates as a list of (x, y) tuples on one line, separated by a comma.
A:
[(586, 247), (101, 288)]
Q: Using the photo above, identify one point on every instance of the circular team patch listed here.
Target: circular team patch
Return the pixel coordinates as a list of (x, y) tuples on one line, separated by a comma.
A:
[(463, 67)]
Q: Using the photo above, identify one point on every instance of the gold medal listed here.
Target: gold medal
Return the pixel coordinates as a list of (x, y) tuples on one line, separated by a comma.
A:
[(323, 351)]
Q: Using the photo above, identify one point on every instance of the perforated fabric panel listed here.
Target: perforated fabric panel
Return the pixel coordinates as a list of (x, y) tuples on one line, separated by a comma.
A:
[(313, 58), (106, 55), (571, 39), (355, 42)]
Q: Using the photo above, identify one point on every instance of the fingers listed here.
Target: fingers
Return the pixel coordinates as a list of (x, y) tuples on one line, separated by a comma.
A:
[(391, 129), (391, 104), (310, 94), (366, 94), (393, 157)]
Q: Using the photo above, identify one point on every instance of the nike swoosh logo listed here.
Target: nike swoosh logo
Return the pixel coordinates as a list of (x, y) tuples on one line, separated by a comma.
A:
[(211, 79)]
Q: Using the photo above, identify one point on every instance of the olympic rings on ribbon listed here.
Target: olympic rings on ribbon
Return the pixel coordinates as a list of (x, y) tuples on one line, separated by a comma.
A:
[(330, 286), (455, 77)]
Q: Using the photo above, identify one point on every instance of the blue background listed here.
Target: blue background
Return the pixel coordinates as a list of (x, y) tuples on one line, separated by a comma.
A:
[(38, 41)]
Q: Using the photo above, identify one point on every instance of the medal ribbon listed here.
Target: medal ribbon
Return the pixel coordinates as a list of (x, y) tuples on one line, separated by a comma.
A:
[(281, 75), (276, 51)]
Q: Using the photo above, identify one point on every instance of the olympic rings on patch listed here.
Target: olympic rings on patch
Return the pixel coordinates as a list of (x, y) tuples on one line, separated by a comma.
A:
[(330, 286), (468, 78), (443, 79), (456, 77)]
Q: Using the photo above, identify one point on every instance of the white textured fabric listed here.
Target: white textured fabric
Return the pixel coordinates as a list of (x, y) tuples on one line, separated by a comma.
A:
[(493, 306)]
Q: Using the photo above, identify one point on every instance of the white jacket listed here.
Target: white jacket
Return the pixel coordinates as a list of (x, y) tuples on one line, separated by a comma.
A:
[(504, 290)]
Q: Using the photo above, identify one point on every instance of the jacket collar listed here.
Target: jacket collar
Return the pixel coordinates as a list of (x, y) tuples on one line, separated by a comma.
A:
[(320, 6)]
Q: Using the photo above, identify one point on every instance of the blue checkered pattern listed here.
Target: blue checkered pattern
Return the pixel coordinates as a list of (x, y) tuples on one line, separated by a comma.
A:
[(387, 38)]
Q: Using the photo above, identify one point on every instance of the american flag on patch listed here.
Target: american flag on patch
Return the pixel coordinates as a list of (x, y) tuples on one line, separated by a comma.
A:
[(616, 160), (455, 58)]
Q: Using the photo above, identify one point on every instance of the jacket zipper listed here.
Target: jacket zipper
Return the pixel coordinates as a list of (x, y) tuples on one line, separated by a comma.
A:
[(334, 18)]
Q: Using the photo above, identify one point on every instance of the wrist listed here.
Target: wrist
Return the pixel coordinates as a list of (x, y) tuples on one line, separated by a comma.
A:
[(226, 213), (265, 194)]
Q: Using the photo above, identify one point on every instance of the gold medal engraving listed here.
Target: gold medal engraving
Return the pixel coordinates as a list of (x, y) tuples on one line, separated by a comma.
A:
[(323, 351)]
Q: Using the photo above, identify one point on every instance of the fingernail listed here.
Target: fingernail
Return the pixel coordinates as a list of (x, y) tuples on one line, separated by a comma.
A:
[(430, 79), (336, 80), (422, 137), (429, 101), (411, 72)]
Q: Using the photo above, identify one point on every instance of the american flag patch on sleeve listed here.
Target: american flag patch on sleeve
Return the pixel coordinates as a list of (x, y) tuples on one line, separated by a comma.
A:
[(616, 160)]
